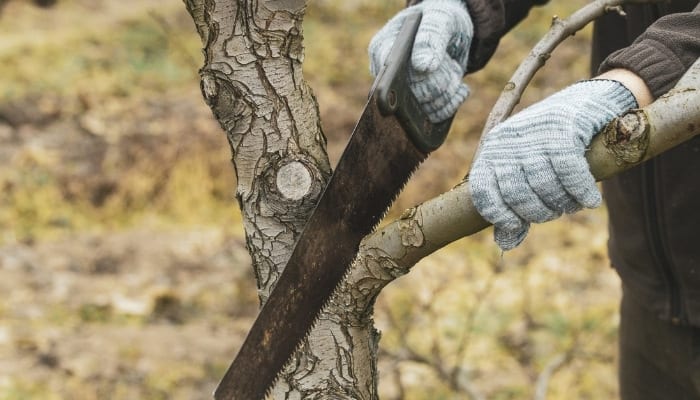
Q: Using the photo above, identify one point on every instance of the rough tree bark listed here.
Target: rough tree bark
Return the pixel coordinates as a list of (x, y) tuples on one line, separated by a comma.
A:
[(252, 81)]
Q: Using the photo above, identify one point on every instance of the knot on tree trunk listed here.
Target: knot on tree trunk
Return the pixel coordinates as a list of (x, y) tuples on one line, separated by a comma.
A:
[(291, 185)]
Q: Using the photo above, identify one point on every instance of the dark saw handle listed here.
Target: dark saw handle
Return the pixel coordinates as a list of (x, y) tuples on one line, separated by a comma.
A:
[(394, 96)]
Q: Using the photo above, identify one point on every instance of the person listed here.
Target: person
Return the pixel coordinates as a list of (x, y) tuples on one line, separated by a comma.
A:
[(531, 168)]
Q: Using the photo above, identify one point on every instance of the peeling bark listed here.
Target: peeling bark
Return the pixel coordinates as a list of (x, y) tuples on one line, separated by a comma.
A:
[(252, 81)]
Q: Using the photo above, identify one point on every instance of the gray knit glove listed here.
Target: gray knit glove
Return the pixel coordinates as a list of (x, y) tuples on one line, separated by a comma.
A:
[(531, 168), (440, 54)]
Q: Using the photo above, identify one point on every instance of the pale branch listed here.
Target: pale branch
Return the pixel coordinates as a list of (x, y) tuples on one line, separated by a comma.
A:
[(642, 134), (555, 364), (561, 360), (538, 56)]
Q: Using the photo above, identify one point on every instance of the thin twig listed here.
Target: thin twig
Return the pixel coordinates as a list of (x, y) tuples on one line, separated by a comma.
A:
[(554, 365), (560, 30), (471, 320)]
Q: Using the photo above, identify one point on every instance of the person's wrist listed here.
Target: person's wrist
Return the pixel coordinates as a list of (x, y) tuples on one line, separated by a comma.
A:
[(632, 82)]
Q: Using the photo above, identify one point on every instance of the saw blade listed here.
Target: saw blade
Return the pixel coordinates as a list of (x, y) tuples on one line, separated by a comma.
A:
[(374, 167), (388, 143)]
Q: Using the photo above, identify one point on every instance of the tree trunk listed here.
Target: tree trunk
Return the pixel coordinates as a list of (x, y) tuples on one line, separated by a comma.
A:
[(252, 81)]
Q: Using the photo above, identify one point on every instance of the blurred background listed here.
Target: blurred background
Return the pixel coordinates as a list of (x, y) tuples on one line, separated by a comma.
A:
[(123, 269)]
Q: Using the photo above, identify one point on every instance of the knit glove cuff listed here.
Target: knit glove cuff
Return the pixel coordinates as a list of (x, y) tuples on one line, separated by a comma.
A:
[(591, 104), (532, 167), (439, 57)]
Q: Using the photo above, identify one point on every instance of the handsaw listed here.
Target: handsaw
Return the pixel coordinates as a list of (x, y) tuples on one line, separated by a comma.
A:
[(392, 137)]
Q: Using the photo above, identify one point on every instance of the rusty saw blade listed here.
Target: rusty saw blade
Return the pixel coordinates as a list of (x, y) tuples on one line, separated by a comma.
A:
[(392, 137)]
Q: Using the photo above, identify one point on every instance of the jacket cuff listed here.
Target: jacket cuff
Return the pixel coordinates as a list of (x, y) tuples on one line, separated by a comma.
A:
[(650, 60), (662, 54), (492, 19)]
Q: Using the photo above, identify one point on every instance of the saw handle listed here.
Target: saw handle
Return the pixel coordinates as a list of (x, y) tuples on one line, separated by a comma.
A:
[(394, 95)]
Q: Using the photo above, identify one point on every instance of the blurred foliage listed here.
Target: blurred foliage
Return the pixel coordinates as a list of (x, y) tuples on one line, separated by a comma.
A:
[(121, 254), (469, 319)]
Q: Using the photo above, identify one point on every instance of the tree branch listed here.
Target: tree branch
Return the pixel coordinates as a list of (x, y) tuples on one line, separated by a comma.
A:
[(394, 249), (555, 364)]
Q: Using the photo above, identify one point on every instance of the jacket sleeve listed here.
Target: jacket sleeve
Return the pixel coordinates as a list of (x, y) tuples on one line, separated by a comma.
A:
[(492, 19), (663, 53)]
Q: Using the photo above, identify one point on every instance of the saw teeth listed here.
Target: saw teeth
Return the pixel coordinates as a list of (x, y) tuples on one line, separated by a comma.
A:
[(392, 161)]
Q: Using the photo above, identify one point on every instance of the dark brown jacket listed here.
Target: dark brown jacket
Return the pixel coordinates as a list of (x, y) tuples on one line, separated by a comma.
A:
[(654, 208)]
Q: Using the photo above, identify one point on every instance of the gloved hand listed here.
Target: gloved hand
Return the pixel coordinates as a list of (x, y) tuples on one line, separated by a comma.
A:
[(532, 167), (440, 54)]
